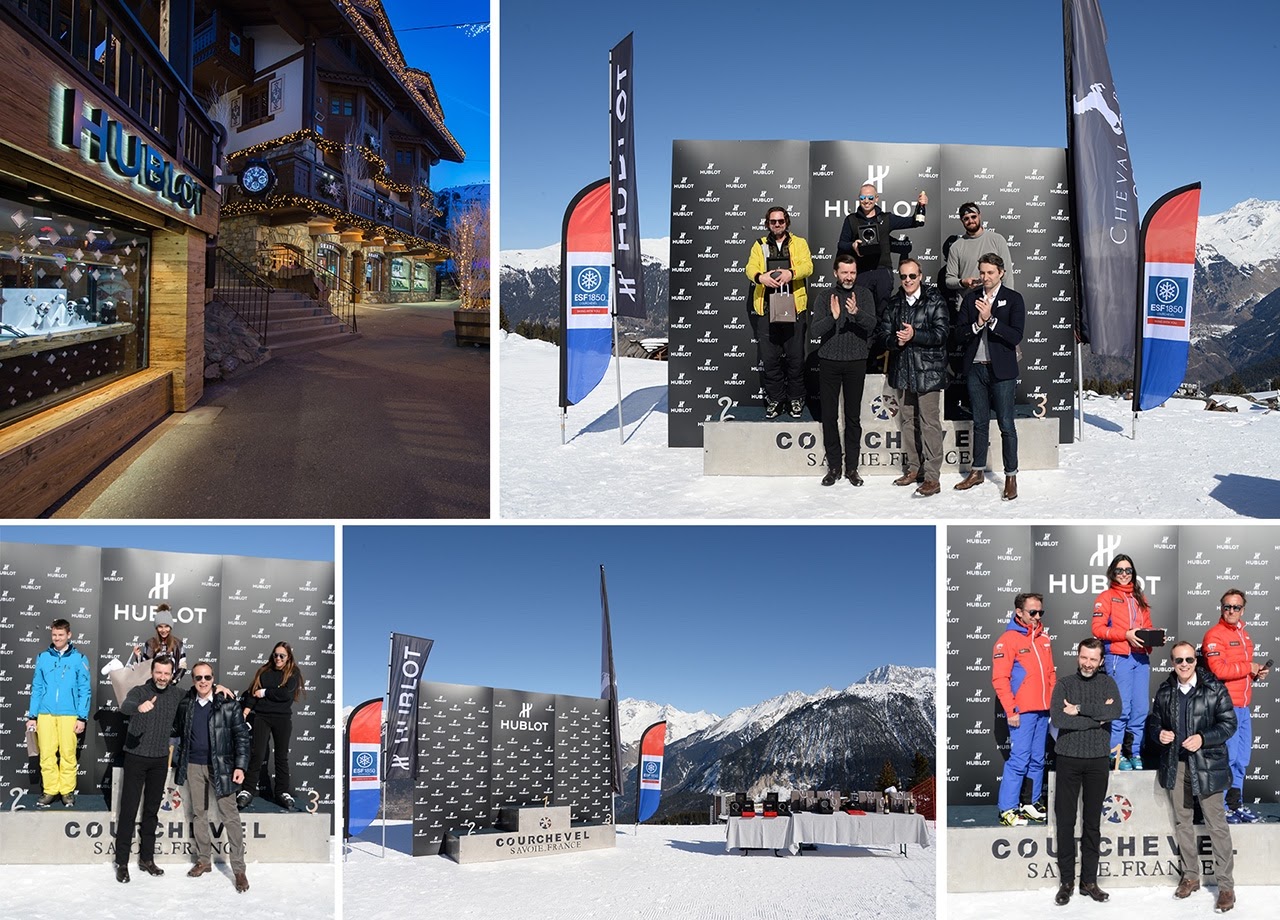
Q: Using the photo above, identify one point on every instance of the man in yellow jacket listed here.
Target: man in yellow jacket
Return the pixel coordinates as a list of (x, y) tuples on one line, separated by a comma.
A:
[(780, 261)]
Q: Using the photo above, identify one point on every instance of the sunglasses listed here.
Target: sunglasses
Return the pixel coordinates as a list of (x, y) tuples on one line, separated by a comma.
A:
[(1124, 570), (280, 655), (1034, 613), (1190, 660), (866, 197), (202, 677), (779, 221), (911, 277), (1234, 608)]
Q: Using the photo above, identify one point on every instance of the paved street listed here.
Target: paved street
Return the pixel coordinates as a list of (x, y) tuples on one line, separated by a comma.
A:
[(392, 425)]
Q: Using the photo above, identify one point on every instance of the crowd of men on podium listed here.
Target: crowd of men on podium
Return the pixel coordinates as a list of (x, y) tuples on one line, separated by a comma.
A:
[(861, 317)]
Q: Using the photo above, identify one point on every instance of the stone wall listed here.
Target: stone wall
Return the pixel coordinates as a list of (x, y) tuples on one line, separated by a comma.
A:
[(230, 347)]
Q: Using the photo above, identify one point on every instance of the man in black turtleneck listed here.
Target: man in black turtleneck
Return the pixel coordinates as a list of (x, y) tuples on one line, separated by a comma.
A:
[(843, 319), (1083, 707)]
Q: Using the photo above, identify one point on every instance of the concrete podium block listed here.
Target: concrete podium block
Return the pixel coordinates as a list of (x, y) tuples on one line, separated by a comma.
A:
[(495, 846), (793, 447), (534, 820), (79, 836), (1137, 846)]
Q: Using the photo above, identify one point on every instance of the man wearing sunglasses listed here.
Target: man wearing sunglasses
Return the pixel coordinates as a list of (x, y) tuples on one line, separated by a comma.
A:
[(212, 755), (1023, 675), (780, 262), (1228, 653), (865, 235), (965, 251), (913, 331), (1190, 722)]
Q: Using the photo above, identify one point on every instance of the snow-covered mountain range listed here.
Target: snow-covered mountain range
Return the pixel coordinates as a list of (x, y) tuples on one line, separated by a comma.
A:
[(634, 716), (826, 739), (1245, 235)]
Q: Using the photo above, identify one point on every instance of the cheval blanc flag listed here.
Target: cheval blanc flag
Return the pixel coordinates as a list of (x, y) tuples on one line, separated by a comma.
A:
[(364, 753), (1169, 264), (586, 293), (652, 744)]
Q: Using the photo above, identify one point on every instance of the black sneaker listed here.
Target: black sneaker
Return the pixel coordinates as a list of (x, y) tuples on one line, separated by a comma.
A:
[(69, 800), (243, 798), (46, 800), (797, 408), (285, 800), (772, 409)]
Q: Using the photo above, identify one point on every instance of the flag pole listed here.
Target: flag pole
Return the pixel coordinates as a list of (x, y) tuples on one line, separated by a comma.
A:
[(386, 708)]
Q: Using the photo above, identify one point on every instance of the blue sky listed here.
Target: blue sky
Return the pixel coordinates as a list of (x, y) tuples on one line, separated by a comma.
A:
[(1196, 84), (459, 67), (703, 617), (312, 543)]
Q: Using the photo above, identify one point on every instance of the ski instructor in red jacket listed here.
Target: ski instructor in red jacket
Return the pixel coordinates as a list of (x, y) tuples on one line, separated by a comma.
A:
[(1118, 613)]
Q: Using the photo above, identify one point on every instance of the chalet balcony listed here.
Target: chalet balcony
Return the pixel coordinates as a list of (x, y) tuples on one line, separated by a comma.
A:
[(221, 54), (106, 46), (300, 177)]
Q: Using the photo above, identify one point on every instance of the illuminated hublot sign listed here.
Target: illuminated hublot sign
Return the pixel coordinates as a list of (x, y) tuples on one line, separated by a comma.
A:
[(126, 155)]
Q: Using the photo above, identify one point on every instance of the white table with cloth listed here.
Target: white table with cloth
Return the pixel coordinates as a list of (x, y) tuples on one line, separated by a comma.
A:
[(840, 829)]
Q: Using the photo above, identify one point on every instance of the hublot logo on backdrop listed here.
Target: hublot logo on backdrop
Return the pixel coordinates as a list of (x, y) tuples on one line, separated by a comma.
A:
[(762, 197), (1036, 256), (764, 170), (1035, 202), (683, 183), (710, 170), (736, 183)]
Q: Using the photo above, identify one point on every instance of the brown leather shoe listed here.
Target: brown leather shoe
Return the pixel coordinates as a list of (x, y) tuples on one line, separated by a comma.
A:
[(242, 883), (1092, 890), (974, 478), (1186, 886), (1010, 488), (910, 479), (1226, 900), (149, 867), (199, 869), (929, 487)]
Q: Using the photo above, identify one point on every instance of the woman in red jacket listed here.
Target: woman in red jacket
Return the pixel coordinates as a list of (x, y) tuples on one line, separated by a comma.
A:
[(1118, 613)]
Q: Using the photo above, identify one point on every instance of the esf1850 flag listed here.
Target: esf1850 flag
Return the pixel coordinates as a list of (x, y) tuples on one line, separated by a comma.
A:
[(586, 293), (1168, 269), (649, 778), (364, 752)]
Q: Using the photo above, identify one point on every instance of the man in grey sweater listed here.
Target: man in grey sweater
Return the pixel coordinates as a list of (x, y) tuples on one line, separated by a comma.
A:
[(1083, 706)]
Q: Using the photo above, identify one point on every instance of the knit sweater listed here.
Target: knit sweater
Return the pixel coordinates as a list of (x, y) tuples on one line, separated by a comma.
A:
[(1087, 734), (847, 337), (149, 732)]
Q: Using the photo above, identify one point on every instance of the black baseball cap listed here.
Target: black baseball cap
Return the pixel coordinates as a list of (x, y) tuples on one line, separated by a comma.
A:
[(969, 207)]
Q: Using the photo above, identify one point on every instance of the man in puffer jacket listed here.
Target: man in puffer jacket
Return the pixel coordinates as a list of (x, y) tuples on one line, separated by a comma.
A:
[(211, 757), (58, 713), (1023, 675), (913, 329), (1190, 722)]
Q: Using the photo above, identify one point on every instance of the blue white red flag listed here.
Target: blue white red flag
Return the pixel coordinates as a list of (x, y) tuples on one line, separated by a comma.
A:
[(1169, 266), (586, 293), (364, 753), (652, 744)]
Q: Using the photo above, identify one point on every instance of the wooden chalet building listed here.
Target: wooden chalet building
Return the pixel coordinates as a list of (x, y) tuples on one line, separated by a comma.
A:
[(333, 136)]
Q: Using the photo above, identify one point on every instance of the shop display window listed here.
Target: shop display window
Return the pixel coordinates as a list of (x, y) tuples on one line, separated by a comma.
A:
[(399, 274), (73, 300)]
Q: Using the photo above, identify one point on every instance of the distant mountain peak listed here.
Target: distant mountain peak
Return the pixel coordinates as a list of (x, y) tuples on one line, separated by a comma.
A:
[(1245, 234)]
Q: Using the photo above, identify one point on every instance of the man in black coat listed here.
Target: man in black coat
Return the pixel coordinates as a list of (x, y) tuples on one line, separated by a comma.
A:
[(913, 330), (989, 328), (1190, 721), (211, 757)]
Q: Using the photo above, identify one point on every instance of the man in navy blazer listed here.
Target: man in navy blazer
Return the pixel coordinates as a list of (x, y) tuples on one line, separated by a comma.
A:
[(989, 327)]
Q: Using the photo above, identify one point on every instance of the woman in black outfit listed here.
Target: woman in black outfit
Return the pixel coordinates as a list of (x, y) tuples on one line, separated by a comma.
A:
[(270, 700)]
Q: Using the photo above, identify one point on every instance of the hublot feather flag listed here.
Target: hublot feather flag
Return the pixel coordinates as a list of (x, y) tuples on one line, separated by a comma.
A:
[(1169, 267), (609, 687), (364, 752), (404, 674), (649, 775), (628, 270), (1104, 206)]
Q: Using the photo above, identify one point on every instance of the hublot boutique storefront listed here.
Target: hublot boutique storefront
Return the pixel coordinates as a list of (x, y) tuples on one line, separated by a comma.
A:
[(106, 166)]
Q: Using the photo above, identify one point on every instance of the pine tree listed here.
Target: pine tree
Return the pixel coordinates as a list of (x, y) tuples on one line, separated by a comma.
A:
[(921, 769), (888, 777)]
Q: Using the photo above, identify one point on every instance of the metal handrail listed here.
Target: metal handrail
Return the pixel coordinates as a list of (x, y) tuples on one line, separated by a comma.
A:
[(243, 290), (336, 294)]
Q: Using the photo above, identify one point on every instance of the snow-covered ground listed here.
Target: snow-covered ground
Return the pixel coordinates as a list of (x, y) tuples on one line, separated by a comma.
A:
[(287, 891), (658, 872), (1254, 902), (1185, 463)]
